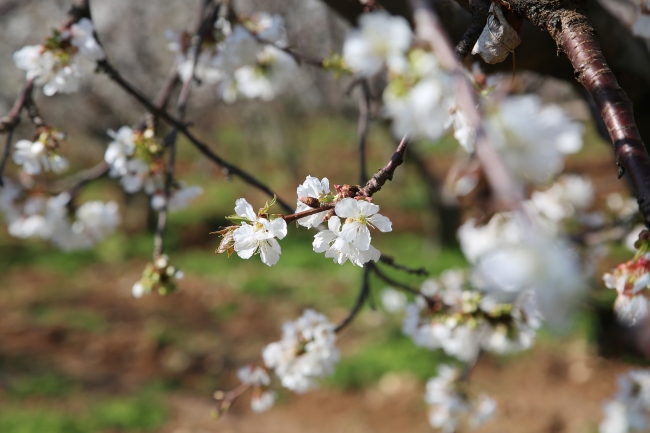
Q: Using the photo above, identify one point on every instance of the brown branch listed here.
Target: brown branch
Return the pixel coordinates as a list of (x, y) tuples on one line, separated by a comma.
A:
[(363, 295), (479, 10), (385, 173), (296, 216), (431, 302), (574, 34), (11, 120), (5, 155)]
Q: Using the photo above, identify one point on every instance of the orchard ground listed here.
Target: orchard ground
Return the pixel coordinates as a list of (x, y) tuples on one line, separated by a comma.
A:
[(79, 354)]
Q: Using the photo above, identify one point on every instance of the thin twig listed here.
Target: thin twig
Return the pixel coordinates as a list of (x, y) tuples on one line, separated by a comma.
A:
[(309, 212), (5, 155), (80, 180), (11, 120), (390, 261), (364, 292), (207, 15)]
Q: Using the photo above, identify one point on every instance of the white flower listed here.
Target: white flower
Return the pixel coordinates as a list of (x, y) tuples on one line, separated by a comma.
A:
[(630, 410), (381, 39), (393, 300), (359, 214), (83, 37), (532, 138), (138, 290), (49, 70), (270, 76), (314, 188), (568, 195), (448, 406), (259, 236), (475, 240), (306, 352), (179, 199), (136, 175), (334, 247), (631, 280), (421, 111), (34, 155), (253, 375), (119, 150), (263, 401)]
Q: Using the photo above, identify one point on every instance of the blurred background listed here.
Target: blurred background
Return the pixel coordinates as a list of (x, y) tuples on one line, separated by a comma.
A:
[(79, 354)]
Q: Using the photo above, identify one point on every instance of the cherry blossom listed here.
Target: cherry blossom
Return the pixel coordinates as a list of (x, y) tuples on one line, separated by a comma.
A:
[(631, 280), (359, 215), (36, 156), (314, 189), (532, 138), (381, 39), (629, 411), (305, 353), (257, 235), (330, 242), (159, 275), (450, 404)]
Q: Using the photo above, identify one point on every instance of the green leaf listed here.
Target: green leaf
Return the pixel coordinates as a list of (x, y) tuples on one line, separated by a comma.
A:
[(238, 219)]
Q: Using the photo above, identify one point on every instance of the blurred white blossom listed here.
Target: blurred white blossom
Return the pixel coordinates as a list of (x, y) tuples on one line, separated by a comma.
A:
[(629, 411), (306, 352)]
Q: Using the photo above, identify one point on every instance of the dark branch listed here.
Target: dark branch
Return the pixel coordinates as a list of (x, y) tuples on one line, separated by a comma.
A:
[(385, 173), (11, 120), (479, 10), (5, 155), (364, 292), (390, 261)]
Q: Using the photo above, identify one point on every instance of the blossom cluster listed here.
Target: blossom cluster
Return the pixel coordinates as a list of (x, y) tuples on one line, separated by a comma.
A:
[(257, 377), (244, 59), (55, 65), (48, 218), (40, 154), (159, 275), (462, 321), (136, 158), (515, 252), (629, 411), (306, 352), (450, 403), (631, 280), (342, 241)]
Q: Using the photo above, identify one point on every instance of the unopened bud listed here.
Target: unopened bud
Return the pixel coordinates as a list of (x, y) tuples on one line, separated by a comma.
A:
[(310, 201)]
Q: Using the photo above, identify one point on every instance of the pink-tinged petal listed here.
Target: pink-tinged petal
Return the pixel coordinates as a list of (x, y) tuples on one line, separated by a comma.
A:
[(346, 208), (381, 222), (367, 208), (278, 228), (244, 209)]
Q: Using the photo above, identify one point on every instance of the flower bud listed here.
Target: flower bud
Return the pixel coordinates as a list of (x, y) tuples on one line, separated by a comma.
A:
[(310, 201)]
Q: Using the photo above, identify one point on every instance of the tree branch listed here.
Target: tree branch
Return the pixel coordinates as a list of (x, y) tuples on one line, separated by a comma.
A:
[(385, 173), (390, 261), (364, 292)]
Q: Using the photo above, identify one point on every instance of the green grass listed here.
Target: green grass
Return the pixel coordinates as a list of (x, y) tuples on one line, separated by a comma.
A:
[(141, 412), (395, 353)]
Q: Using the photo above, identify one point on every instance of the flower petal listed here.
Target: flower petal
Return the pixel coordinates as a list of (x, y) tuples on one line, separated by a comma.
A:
[(244, 209)]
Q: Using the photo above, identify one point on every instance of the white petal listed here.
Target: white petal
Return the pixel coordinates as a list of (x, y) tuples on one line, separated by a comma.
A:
[(381, 222), (346, 208), (244, 209)]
